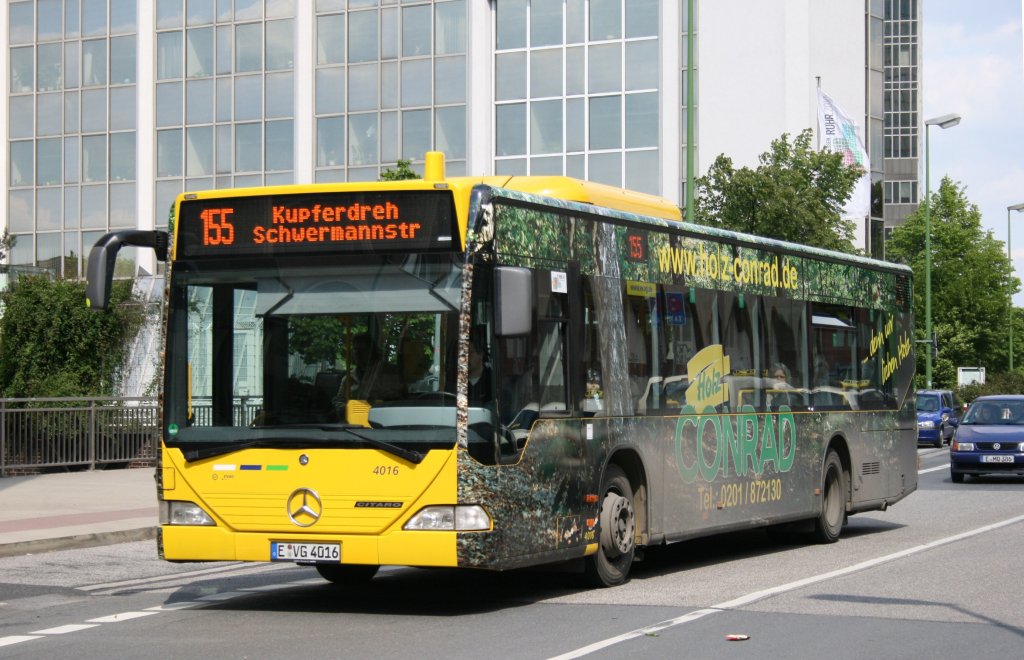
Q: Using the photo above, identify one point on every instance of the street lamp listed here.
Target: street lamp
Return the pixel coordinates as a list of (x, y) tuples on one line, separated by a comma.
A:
[(1009, 209), (945, 121)]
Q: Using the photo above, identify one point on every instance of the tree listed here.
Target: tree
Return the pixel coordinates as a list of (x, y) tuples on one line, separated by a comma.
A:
[(52, 345), (796, 194), (6, 243), (972, 284), (403, 170)]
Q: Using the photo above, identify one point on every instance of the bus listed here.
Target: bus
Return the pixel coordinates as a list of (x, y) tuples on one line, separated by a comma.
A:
[(501, 372)]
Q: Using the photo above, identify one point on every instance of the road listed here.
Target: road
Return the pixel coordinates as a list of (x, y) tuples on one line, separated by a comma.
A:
[(935, 576)]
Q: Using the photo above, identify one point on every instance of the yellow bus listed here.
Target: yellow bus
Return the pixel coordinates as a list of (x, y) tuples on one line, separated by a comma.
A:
[(502, 372)]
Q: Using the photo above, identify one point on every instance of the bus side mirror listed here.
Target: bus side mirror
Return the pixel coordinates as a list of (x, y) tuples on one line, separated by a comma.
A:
[(513, 293), (100, 272)]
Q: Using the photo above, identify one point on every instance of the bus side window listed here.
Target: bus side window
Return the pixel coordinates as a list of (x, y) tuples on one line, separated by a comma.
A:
[(552, 384)]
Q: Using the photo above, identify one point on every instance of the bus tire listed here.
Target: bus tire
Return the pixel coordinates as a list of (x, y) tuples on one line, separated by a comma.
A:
[(829, 522), (347, 575), (609, 566)]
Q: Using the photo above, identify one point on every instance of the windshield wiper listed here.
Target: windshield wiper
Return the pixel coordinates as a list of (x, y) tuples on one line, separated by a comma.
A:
[(408, 454), (219, 450)]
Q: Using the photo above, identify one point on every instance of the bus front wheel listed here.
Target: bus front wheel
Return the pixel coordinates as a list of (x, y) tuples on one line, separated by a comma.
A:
[(347, 575), (829, 523), (610, 565)]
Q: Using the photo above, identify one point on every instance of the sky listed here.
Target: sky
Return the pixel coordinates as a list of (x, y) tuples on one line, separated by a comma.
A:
[(974, 66)]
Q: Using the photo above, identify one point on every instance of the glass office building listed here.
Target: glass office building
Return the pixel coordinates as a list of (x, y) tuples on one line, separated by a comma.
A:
[(113, 107)]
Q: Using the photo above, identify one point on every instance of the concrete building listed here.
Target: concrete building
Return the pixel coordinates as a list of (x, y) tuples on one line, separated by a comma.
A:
[(113, 107)]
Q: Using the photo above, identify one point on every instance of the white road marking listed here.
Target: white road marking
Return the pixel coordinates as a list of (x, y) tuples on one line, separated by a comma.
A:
[(122, 616), (934, 469), (16, 639), (63, 630), (783, 588)]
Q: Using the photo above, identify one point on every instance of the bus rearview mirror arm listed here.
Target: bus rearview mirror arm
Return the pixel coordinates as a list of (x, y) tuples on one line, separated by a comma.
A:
[(100, 271)]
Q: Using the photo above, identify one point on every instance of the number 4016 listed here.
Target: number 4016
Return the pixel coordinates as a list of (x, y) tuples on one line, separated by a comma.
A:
[(385, 470)]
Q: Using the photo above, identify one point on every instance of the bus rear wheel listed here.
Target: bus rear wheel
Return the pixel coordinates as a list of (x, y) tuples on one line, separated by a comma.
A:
[(829, 523), (347, 575), (610, 565)]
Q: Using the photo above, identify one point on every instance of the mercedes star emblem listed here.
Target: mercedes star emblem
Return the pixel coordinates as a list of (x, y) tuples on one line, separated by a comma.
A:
[(304, 507)]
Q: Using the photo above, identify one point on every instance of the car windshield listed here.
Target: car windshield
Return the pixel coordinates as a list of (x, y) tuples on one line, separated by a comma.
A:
[(927, 403), (995, 412)]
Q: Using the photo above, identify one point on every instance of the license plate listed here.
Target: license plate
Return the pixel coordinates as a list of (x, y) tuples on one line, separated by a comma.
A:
[(997, 459), (321, 552)]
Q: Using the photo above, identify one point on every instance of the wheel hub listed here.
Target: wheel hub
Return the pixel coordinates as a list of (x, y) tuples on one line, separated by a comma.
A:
[(618, 526)]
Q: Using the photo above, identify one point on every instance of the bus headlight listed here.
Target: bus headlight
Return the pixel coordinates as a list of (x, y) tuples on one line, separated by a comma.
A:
[(460, 518), (183, 513)]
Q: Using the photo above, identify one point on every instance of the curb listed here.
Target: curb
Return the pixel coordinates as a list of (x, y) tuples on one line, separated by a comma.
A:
[(77, 542)]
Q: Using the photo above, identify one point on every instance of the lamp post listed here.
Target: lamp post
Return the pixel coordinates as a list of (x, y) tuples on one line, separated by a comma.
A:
[(945, 121), (1009, 209)]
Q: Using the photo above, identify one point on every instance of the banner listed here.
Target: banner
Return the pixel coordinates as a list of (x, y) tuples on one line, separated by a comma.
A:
[(838, 133)]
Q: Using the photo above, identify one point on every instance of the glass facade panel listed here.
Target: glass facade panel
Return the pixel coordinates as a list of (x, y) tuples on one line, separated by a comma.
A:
[(248, 47), (48, 115), (642, 65), (510, 76), (122, 61), (199, 151), (450, 80), (48, 213), (168, 153), (21, 211), (48, 162), (94, 62), (546, 127), (330, 39), (248, 97), (510, 22), (450, 27), (546, 72), (248, 148), (199, 52), (416, 126), (94, 207), (50, 67), (330, 90), (71, 160), (362, 139), (122, 108), (48, 209), (199, 101), (122, 205), (19, 117), (450, 131), (72, 60), (605, 19), (280, 92), (605, 68), (280, 144), (416, 22), (362, 36), (280, 45), (416, 82), (642, 120), (510, 128), (169, 106), (545, 22), (605, 122), (168, 55), (49, 23), (362, 87), (330, 141), (94, 110)]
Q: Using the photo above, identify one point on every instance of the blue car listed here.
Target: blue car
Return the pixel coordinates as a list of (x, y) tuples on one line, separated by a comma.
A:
[(990, 438), (937, 417)]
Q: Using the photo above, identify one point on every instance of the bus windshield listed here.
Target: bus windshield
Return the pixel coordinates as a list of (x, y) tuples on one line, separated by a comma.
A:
[(300, 355)]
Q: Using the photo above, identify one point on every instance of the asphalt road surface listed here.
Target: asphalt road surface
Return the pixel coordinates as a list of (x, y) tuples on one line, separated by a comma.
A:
[(936, 576)]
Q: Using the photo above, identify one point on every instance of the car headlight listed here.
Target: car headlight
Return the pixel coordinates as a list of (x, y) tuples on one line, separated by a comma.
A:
[(460, 518), (927, 424), (183, 513), (962, 446)]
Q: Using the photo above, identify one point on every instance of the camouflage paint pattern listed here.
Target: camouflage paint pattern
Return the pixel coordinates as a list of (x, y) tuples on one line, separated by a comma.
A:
[(545, 506)]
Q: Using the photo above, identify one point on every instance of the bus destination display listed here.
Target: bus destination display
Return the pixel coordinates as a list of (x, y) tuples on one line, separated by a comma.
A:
[(317, 222)]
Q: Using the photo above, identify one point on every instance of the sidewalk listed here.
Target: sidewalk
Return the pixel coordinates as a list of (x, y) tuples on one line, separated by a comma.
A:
[(47, 512)]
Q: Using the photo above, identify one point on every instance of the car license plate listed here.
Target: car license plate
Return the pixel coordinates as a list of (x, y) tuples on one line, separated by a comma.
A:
[(289, 551), (997, 459)]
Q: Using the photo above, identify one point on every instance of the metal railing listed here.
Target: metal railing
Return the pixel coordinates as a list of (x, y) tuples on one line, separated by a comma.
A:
[(37, 434)]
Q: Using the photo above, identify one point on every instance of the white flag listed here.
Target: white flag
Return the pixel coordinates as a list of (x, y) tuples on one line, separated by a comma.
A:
[(839, 134)]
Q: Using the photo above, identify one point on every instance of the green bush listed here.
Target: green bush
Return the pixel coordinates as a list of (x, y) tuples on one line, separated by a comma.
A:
[(1000, 383), (51, 345)]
